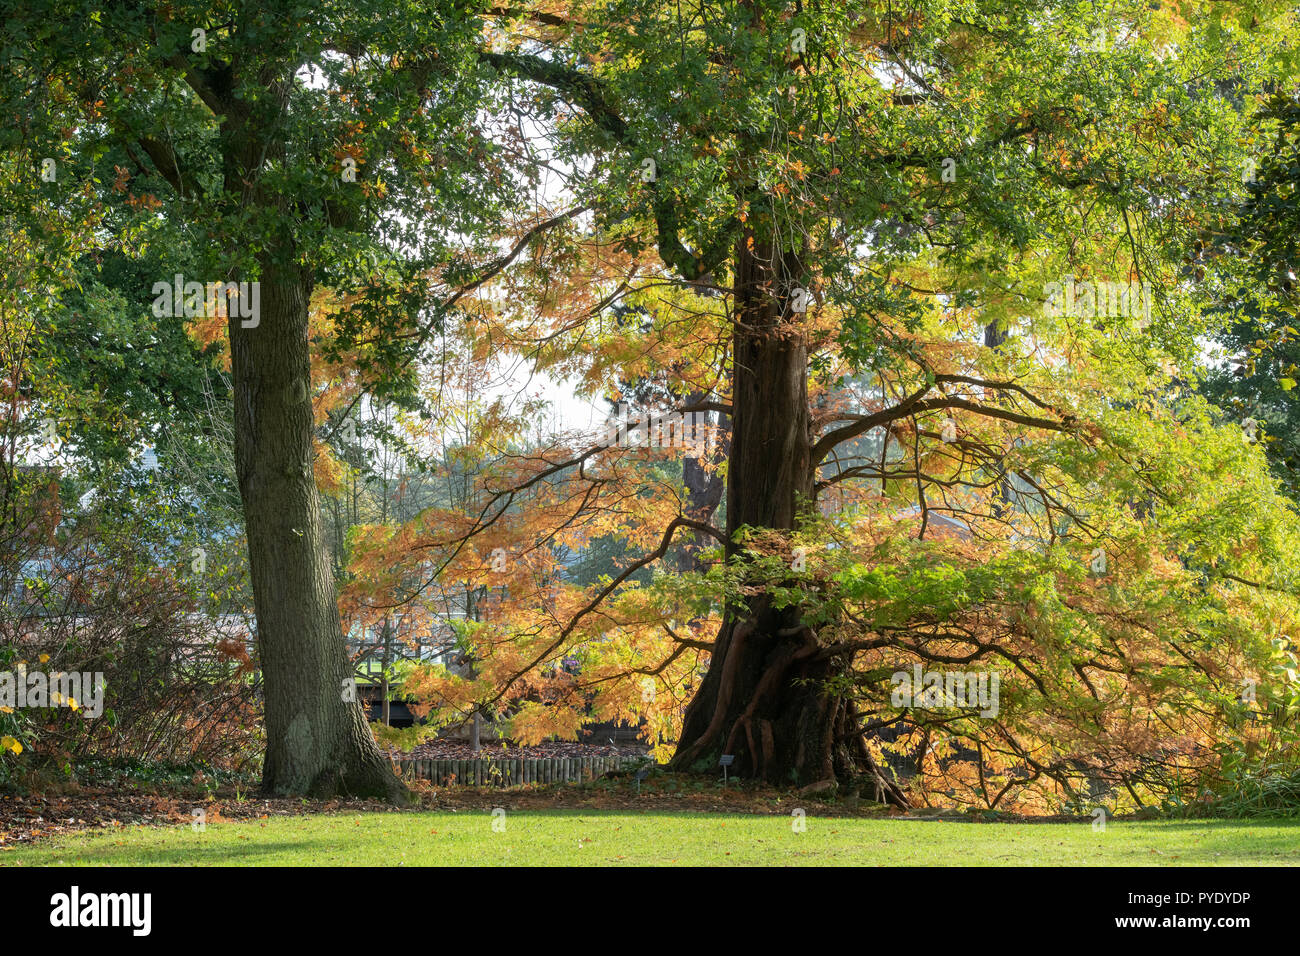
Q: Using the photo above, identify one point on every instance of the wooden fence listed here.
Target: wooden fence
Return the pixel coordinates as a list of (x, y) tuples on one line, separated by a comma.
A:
[(513, 771)]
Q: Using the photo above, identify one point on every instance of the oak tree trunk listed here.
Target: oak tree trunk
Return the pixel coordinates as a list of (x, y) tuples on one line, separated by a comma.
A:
[(318, 742)]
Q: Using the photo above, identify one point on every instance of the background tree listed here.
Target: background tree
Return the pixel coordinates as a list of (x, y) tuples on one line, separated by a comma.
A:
[(110, 558), (1253, 258)]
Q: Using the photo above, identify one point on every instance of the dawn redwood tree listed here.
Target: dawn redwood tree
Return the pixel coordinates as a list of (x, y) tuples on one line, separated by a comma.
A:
[(865, 167), (296, 148)]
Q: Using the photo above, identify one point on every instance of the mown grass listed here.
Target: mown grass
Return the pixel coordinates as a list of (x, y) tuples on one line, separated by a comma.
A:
[(608, 838)]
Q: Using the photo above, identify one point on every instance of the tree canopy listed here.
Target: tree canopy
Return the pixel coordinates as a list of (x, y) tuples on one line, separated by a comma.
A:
[(909, 306)]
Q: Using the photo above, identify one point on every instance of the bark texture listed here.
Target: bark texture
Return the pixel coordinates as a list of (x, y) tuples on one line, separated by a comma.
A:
[(765, 697), (318, 742)]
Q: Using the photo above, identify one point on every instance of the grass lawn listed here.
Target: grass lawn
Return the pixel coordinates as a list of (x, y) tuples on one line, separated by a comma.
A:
[(610, 838)]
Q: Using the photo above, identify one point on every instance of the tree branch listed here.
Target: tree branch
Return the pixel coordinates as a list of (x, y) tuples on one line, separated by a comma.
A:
[(589, 93)]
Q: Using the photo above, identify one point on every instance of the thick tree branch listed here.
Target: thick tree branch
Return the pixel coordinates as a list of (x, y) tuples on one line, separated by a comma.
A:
[(916, 404), (588, 92)]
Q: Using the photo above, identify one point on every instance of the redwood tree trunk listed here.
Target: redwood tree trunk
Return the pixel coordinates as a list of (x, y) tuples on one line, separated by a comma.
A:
[(318, 742), (765, 697)]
